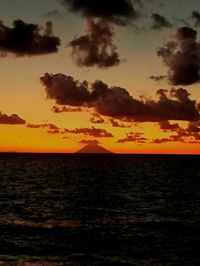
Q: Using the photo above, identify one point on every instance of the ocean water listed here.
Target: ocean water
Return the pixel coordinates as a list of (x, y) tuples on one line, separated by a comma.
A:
[(123, 210)]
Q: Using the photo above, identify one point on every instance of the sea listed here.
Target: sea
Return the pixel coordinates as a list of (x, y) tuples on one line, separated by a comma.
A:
[(100, 210)]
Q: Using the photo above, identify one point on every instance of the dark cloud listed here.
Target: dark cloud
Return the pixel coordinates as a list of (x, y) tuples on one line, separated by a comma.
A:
[(26, 39), (48, 126), (158, 78), (96, 119), (119, 12), (115, 123), (13, 119), (162, 140), (166, 126), (116, 102), (196, 17), (133, 137), (160, 22), (95, 47), (184, 135), (86, 141), (194, 127), (182, 56), (67, 109), (94, 132)]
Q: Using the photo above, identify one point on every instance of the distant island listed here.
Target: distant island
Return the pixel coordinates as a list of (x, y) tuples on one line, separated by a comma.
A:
[(94, 148)]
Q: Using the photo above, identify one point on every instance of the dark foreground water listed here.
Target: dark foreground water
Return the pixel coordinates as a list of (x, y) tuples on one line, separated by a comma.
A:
[(100, 210)]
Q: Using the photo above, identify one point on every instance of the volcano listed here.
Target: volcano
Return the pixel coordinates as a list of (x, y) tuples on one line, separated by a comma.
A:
[(93, 148)]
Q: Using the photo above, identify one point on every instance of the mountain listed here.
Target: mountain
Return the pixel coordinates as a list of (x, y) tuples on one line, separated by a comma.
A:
[(93, 148)]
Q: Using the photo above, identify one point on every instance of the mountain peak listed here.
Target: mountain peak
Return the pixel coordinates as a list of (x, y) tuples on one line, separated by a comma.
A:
[(93, 148)]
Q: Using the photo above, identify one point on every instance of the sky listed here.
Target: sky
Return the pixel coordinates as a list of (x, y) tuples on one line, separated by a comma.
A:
[(123, 74)]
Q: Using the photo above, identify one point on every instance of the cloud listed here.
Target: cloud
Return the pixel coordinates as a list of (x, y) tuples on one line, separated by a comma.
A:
[(119, 12), (86, 141), (26, 39), (96, 119), (116, 102), (158, 78), (194, 127), (133, 137), (95, 132), (159, 22), (48, 126), (196, 18), (115, 123), (184, 135), (67, 109), (182, 57), (166, 126), (53, 131), (13, 119), (162, 140), (95, 47)]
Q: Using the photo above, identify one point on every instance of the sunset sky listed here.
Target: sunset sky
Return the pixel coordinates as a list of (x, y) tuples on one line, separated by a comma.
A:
[(121, 73)]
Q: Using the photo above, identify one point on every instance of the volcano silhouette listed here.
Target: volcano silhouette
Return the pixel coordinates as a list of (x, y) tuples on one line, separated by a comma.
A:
[(93, 148)]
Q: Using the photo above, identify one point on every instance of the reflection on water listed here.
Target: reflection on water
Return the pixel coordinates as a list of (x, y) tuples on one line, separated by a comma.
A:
[(99, 210)]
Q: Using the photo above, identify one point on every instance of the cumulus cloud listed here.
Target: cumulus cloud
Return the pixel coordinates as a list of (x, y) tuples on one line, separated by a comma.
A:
[(27, 39), (119, 12), (159, 22), (182, 57), (116, 102), (133, 137), (13, 119), (95, 47), (94, 132)]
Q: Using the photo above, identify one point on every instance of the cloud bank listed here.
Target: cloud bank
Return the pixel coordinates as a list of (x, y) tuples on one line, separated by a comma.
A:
[(116, 102)]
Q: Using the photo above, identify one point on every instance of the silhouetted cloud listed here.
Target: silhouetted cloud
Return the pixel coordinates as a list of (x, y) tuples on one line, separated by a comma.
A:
[(48, 126), (13, 119), (96, 119), (133, 137), (166, 126), (194, 127), (86, 141), (95, 132), (67, 109), (184, 135), (95, 47), (26, 39), (158, 78), (196, 17), (115, 123), (181, 56), (160, 22), (119, 12), (162, 140), (116, 102)]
